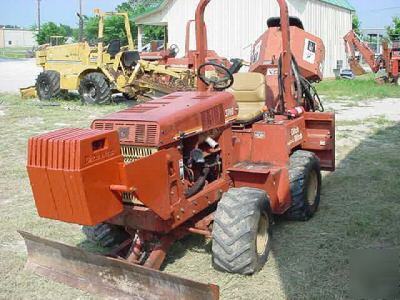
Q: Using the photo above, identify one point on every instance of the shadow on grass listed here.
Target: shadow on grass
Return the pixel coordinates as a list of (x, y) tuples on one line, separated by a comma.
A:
[(360, 207)]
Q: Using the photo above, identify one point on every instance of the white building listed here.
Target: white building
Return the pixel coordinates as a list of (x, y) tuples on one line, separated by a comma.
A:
[(10, 37), (233, 25)]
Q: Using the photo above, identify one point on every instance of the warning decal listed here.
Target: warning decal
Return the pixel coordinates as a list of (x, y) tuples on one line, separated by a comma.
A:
[(310, 48)]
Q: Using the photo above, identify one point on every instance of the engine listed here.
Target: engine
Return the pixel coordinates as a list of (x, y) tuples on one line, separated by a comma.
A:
[(156, 155)]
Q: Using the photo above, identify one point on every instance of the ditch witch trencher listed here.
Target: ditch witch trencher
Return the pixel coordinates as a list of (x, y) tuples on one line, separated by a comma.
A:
[(211, 162)]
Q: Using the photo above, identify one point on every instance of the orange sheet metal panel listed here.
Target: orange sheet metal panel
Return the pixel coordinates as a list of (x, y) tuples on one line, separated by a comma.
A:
[(320, 138), (71, 170)]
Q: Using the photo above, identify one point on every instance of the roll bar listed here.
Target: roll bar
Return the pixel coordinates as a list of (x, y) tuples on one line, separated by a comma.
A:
[(288, 78)]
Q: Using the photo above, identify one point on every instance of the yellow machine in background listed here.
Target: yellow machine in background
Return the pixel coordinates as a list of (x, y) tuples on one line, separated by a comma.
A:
[(99, 71)]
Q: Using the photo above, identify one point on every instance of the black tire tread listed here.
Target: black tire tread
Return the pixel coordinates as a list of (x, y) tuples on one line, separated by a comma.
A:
[(54, 81), (235, 222), (301, 162), (102, 87), (105, 235)]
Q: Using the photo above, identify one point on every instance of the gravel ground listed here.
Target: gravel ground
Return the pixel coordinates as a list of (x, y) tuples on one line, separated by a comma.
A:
[(386, 108), (17, 73)]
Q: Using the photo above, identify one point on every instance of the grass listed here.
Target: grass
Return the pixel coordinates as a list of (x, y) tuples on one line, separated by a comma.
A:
[(361, 88), (360, 207), (17, 52)]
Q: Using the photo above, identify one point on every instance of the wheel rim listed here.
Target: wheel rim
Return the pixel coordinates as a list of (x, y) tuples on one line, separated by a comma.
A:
[(312, 188), (90, 92), (262, 234), (44, 87)]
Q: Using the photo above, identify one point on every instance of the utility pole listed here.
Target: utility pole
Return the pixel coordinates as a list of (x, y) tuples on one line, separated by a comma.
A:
[(80, 22), (38, 15)]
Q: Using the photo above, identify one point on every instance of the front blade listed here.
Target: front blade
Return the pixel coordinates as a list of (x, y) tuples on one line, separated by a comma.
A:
[(107, 276)]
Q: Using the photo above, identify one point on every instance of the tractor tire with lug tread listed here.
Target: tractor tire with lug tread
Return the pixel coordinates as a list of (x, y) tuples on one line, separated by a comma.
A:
[(94, 88), (242, 231), (105, 235), (48, 85), (305, 185)]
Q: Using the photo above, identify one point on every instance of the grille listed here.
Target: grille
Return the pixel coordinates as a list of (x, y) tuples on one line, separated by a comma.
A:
[(130, 154), (103, 126), (145, 134)]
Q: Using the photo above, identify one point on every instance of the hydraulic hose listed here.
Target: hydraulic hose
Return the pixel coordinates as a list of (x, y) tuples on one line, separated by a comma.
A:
[(199, 184)]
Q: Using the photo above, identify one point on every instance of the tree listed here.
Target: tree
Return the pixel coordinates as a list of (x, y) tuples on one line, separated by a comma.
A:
[(393, 31), (114, 28), (356, 24), (51, 29), (135, 8)]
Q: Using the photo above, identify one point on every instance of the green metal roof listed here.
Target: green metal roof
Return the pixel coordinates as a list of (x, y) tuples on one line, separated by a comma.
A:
[(161, 3), (341, 3), (156, 6)]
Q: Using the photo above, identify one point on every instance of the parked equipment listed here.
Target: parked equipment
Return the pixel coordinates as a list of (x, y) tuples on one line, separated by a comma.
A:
[(99, 71), (216, 163), (388, 62)]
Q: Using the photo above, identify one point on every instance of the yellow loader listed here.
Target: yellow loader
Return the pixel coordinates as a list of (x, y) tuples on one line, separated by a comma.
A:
[(99, 71)]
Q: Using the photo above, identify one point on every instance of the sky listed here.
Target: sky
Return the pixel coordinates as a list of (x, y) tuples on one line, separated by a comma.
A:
[(373, 13)]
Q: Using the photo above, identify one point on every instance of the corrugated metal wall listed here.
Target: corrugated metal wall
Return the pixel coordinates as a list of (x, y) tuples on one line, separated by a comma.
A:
[(233, 25)]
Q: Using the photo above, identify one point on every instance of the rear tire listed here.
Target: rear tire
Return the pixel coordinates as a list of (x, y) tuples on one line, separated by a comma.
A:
[(94, 88), (48, 85), (305, 185), (242, 231), (105, 235)]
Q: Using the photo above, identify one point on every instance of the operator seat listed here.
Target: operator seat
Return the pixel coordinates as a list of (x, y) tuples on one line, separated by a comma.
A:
[(249, 90)]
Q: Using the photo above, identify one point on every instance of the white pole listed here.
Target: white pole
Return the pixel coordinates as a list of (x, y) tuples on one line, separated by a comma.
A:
[(140, 38)]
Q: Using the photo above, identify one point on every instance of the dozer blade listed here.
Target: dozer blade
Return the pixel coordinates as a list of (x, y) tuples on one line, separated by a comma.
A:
[(107, 276)]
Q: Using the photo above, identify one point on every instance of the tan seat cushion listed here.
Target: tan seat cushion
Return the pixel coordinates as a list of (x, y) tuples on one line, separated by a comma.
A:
[(249, 91)]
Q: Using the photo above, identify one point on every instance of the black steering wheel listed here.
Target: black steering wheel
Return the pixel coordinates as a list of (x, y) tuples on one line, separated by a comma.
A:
[(220, 80)]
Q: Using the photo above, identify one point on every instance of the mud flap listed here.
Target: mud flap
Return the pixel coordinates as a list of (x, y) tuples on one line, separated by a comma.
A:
[(107, 276)]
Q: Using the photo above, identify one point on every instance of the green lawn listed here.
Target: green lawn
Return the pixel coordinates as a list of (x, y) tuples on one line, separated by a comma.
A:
[(17, 52), (363, 87)]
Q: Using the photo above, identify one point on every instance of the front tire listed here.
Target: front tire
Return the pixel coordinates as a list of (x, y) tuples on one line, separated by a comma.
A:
[(305, 185), (94, 88), (242, 231), (48, 85), (105, 235)]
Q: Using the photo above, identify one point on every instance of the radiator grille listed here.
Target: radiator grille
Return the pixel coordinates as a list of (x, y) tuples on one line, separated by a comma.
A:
[(130, 154)]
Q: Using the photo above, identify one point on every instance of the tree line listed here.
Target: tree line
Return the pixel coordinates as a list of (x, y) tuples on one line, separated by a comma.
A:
[(114, 26)]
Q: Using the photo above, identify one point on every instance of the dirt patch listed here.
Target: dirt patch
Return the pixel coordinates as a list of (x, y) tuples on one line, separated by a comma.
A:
[(387, 108), (16, 74)]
